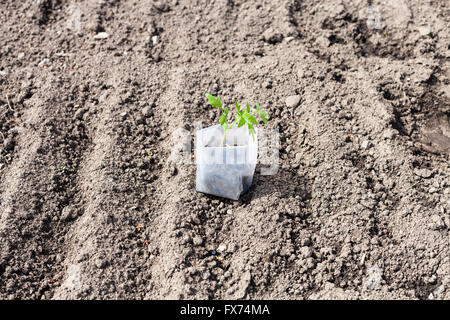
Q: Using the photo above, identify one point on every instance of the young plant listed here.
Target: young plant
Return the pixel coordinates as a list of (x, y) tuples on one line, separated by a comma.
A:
[(244, 116)]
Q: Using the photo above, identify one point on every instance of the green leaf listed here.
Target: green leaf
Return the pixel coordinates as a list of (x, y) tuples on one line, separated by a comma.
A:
[(223, 119), (211, 98), (251, 118), (213, 101), (238, 107), (251, 130), (241, 122), (248, 107), (264, 115), (264, 119)]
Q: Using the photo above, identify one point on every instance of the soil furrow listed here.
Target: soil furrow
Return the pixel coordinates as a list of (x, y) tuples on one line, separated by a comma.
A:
[(31, 226)]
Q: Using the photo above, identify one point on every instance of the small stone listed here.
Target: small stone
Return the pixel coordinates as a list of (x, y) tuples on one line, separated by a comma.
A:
[(197, 241), (155, 39), (439, 289), (432, 190), (140, 119), (173, 170), (161, 6), (123, 114), (272, 36), (66, 213), (101, 36), (389, 134), (186, 238), (322, 41), (44, 63), (424, 31), (432, 279), (3, 73), (293, 101), (437, 223), (100, 263), (431, 296), (222, 248), (305, 252), (79, 113), (20, 56), (373, 279), (9, 144), (147, 111), (267, 84), (423, 173), (366, 144)]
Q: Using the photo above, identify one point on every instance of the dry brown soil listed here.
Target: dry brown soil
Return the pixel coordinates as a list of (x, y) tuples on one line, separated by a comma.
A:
[(91, 206)]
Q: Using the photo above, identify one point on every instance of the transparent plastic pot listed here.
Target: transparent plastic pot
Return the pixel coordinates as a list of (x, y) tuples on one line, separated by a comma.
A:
[(225, 171)]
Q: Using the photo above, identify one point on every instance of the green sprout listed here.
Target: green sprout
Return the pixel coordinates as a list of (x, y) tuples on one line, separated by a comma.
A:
[(244, 116)]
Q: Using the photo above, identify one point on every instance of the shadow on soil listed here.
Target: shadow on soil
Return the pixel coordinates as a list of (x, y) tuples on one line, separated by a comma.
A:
[(287, 183)]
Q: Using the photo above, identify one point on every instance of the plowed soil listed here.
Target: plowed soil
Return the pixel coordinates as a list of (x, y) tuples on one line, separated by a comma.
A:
[(93, 207)]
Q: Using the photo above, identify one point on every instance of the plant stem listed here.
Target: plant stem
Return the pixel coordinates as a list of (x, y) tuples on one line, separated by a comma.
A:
[(225, 133)]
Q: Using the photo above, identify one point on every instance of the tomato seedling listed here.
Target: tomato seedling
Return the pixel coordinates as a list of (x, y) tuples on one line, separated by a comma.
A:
[(244, 116)]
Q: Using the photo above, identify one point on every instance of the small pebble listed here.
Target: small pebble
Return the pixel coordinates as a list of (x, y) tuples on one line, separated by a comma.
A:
[(366, 144), (161, 6), (67, 213), (155, 39), (267, 84), (99, 263), (389, 134), (79, 114), (147, 111), (424, 31), (9, 144), (423, 173), (432, 190), (197, 241), (272, 36), (173, 170), (44, 63), (439, 289), (222, 248), (293, 101), (101, 36), (20, 56), (437, 223), (305, 252)]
